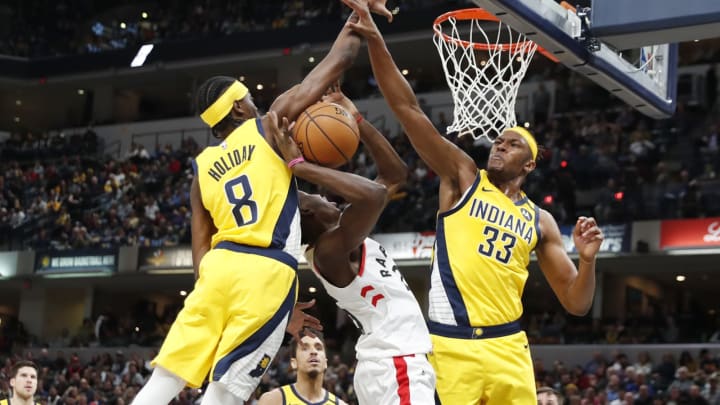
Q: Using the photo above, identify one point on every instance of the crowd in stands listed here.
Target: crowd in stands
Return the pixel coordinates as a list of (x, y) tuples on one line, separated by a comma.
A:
[(67, 27), (599, 158), (61, 195), (44, 28), (613, 164), (109, 378)]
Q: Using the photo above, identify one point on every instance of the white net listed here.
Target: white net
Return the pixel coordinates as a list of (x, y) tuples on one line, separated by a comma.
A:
[(484, 63)]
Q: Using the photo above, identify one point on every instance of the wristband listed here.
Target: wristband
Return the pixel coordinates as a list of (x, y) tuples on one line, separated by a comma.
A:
[(295, 162), (358, 117)]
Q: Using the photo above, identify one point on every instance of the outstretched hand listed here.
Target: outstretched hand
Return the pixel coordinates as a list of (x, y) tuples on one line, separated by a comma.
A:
[(587, 237), (335, 95), (299, 320), (364, 25), (379, 7), (281, 135)]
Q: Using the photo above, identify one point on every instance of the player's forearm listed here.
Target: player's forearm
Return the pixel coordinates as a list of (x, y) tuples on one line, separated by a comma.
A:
[(440, 155), (392, 171), (351, 187), (582, 290), (346, 46), (392, 83), (340, 57)]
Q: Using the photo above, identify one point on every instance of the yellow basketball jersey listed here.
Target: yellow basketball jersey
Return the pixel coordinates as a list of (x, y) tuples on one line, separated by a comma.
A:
[(248, 190), (481, 256), (291, 397), (7, 402)]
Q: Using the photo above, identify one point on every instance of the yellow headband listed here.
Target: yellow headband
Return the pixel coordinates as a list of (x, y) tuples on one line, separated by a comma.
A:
[(528, 138), (222, 106)]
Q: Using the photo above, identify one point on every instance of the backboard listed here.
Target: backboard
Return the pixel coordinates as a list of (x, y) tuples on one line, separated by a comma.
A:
[(641, 73)]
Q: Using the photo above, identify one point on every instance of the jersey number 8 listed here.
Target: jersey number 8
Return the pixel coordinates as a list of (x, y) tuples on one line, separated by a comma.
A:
[(241, 201)]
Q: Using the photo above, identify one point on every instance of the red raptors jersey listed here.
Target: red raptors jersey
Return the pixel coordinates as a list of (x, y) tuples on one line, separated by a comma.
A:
[(382, 306)]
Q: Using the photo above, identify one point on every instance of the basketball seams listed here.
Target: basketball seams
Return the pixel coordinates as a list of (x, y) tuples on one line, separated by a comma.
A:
[(306, 144), (328, 138), (323, 141)]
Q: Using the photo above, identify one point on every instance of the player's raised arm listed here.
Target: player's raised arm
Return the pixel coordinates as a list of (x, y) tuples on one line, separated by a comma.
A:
[(574, 288), (341, 56), (391, 169), (441, 155)]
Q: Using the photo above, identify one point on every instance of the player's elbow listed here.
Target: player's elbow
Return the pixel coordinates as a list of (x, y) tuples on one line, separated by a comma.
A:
[(376, 196), (397, 179), (578, 308), (580, 312)]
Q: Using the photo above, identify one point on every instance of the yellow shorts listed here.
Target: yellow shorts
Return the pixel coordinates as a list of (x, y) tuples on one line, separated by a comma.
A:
[(494, 371), (234, 320)]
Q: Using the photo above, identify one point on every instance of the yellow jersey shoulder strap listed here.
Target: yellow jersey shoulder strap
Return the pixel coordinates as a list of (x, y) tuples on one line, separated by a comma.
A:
[(290, 396)]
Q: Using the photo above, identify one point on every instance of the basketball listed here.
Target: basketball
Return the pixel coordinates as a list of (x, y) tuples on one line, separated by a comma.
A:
[(326, 134)]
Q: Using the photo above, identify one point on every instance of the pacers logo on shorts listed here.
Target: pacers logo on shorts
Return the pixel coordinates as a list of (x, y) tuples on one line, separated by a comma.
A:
[(261, 367)]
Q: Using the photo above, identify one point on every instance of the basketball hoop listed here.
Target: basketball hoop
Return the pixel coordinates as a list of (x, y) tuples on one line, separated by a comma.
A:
[(483, 73)]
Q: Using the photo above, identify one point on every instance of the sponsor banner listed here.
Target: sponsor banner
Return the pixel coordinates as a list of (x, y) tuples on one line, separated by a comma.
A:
[(76, 261), (408, 245), (165, 258), (690, 233), (617, 238)]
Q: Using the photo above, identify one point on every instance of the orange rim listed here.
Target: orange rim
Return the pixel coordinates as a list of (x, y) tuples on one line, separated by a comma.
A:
[(483, 15)]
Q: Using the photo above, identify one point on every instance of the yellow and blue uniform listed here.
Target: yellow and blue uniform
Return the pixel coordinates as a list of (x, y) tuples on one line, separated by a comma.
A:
[(7, 402), (480, 261), (233, 322), (292, 397)]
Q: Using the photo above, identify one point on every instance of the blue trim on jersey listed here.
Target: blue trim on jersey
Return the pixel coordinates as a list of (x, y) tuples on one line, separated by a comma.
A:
[(470, 332), (448, 280), (258, 122), (521, 201), (277, 254), (257, 338), (260, 129), (300, 397), (194, 166), (282, 226), (537, 224), (446, 276), (282, 392), (462, 202)]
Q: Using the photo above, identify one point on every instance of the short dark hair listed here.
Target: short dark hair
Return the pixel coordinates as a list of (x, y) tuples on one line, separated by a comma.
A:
[(294, 343), (20, 364), (208, 93), (544, 389)]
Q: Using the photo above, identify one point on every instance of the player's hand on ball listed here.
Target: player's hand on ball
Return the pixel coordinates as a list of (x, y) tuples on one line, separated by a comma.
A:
[(335, 95), (299, 320), (587, 237), (282, 136)]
